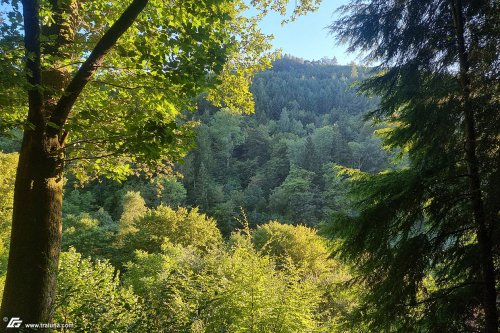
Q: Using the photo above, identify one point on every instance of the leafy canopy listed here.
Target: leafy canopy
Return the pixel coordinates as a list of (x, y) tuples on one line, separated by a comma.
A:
[(130, 115)]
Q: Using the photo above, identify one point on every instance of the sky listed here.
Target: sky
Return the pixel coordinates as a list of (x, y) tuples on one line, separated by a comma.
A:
[(308, 37)]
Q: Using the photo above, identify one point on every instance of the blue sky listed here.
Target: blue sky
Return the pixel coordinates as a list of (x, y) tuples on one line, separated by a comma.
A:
[(307, 37)]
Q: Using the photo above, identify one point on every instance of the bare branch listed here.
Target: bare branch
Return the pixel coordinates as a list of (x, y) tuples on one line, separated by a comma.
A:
[(442, 294)]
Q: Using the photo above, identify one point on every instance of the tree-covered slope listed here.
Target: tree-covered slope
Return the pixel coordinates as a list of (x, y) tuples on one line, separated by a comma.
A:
[(279, 162), (275, 164)]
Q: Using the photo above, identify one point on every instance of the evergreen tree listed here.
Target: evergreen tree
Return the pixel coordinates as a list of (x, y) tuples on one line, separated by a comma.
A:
[(310, 159), (426, 237)]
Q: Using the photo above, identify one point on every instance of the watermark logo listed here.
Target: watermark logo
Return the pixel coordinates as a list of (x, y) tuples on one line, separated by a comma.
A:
[(14, 322)]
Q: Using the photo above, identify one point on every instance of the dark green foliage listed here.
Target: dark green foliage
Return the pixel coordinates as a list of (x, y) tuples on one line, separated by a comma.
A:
[(273, 164), (295, 199), (296, 84), (77, 201), (172, 192), (11, 141), (413, 238), (92, 235)]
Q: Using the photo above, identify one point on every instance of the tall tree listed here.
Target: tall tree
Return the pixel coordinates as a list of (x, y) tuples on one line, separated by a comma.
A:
[(439, 86), (120, 98)]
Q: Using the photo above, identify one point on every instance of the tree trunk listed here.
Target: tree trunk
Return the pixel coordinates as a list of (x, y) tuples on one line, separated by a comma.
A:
[(36, 231), (482, 230), (36, 223)]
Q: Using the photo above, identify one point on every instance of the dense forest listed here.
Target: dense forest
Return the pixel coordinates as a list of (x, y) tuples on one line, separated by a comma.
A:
[(249, 195), (279, 163), (164, 170)]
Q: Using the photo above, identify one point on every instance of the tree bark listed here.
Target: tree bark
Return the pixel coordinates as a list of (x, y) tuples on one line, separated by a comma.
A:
[(30, 285), (36, 229), (473, 168)]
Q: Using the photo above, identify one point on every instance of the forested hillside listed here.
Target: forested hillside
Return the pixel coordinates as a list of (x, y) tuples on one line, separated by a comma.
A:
[(276, 164), (272, 169), (279, 163)]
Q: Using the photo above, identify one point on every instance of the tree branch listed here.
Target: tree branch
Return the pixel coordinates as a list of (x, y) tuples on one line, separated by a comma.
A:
[(94, 140), (91, 157), (440, 294), (126, 87), (87, 70)]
